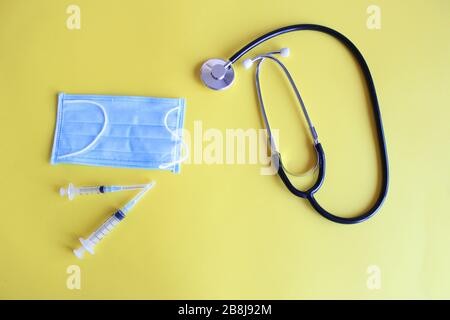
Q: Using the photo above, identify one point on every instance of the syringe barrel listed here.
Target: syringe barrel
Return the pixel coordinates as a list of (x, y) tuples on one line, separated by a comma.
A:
[(89, 190), (106, 227)]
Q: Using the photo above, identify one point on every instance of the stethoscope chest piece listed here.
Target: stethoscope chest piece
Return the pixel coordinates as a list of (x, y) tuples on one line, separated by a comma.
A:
[(217, 74)]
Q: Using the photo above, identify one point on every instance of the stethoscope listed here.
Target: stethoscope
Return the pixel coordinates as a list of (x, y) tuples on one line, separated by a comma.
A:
[(218, 74)]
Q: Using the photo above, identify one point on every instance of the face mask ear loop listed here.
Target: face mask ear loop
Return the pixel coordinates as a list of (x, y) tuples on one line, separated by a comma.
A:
[(90, 145), (177, 137)]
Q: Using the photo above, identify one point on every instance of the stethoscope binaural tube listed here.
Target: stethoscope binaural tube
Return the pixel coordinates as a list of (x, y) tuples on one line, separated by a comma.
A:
[(220, 76), (271, 141)]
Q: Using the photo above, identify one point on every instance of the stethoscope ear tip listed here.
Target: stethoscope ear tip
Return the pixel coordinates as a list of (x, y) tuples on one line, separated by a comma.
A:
[(247, 63), (285, 52)]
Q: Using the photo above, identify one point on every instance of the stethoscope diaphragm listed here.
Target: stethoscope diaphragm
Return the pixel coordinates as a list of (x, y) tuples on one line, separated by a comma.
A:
[(217, 74)]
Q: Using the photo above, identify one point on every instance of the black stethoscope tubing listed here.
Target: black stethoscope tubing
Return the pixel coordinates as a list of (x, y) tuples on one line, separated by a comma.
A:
[(309, 194)]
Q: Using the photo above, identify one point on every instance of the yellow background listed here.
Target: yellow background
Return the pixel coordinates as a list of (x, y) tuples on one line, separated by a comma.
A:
[(225, 231)]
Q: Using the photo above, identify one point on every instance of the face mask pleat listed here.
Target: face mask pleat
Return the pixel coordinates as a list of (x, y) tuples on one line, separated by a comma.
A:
[(82, 113), (81, 128), (120, 144), (114, 130), (122, 113), (142, 159), (137, 131)]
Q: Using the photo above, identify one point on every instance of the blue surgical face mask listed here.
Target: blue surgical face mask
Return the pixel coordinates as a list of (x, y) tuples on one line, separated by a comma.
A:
[(119, 131)]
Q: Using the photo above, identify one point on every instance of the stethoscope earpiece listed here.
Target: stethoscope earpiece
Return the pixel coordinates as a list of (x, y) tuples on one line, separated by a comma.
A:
[(247, 63), (284, 52)]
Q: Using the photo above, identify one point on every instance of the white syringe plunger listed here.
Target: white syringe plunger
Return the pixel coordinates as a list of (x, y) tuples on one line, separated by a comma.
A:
[(86, 245), (71, 191)]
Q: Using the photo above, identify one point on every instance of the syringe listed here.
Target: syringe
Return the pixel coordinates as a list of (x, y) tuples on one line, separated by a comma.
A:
[(89, 243), (71, 191)]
